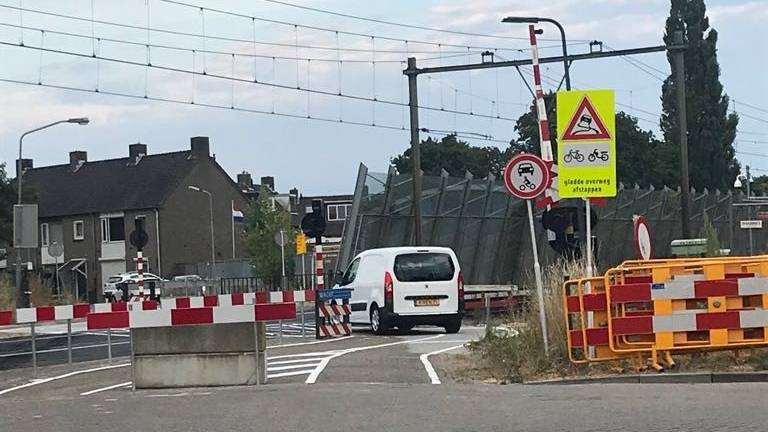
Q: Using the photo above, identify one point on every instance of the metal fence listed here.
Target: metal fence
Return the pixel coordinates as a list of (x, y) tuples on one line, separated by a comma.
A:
[(487, 227)]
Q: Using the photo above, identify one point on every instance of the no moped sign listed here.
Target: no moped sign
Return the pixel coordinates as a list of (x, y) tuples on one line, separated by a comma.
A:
[(526, 176)]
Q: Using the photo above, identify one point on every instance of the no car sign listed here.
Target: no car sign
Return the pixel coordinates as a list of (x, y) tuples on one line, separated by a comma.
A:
[(526, 176)]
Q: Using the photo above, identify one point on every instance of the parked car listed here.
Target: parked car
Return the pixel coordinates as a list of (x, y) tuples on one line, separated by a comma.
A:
[(404, 287), (112, 291)]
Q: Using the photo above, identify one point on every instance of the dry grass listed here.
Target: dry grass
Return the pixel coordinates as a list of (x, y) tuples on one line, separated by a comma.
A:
[(521, 357), (41, 293)]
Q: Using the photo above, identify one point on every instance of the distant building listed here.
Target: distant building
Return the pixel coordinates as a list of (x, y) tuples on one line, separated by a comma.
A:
[(90, 207)]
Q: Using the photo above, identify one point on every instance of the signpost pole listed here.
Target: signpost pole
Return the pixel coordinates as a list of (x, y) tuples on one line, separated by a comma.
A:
[(589, 241), (537, 275)]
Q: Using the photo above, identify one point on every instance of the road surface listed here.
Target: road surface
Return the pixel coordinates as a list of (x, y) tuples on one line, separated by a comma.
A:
[(367, 383)]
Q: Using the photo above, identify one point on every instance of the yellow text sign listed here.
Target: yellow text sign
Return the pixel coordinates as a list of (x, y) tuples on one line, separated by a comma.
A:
[(586, 156)]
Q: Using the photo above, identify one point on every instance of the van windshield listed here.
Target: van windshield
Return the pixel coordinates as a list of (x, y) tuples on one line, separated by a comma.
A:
[(422, 267)]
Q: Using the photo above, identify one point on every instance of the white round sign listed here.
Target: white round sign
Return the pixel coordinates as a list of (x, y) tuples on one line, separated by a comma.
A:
[(526, 176), (642, 238), (55, 249)]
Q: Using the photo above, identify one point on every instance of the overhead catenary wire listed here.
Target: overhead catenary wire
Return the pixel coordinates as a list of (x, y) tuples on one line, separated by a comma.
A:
[(220, 38), (224, 77), (404, 25), (464, 134), (331, 30), (251, 54)]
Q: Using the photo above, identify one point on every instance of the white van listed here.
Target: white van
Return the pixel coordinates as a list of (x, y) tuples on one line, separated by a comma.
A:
[(404, 287)]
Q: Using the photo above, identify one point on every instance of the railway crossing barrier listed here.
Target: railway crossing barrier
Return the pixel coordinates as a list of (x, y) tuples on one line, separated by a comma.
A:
[(652, 310), (332, 318)]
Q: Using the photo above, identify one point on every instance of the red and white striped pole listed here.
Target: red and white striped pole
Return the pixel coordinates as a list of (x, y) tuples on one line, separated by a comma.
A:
[(550, 194), (140, 270), (320, 274)]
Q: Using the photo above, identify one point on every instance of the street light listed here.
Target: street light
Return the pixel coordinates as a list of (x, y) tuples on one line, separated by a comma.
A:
[(210, 204), (82, 121), (536, 20)]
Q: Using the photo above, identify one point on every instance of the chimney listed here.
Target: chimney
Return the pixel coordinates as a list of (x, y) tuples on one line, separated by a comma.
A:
[(136, 152), (200, 147), (77, 159), (269, 182), (26, 164), (244, 181)]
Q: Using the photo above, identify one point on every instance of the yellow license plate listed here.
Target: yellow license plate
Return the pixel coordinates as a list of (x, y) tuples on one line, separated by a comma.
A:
[(427, 302)]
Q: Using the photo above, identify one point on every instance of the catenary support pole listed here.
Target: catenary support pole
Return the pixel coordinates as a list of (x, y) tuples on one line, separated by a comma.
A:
[(413, 104), (34, 349)]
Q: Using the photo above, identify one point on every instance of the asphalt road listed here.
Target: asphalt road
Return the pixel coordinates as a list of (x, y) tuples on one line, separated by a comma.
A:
[(367, 382)]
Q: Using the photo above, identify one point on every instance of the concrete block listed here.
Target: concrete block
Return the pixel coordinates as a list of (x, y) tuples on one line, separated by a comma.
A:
[(193, 339), (194, 370)]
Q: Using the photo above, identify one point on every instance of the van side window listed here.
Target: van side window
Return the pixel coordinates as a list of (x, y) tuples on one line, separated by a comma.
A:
[(351, 273)]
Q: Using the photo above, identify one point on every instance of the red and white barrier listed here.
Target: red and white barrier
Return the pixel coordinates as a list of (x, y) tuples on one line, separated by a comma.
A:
[(191, 316), (335, 330), (335, 315), (51, 313)]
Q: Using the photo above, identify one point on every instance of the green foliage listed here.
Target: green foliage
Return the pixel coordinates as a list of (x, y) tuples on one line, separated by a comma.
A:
[(263, 219), (711, 130), (709, 232), (758, 187), (456, 157)]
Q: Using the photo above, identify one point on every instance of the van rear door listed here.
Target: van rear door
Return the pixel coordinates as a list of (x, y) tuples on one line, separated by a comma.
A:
[(425, 283)]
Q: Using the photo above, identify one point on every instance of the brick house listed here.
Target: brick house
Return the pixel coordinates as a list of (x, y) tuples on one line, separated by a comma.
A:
[(90, 208)]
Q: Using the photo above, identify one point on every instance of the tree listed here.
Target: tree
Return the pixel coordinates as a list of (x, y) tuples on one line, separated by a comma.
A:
[(264, 218), (7, 200), (637, 149), (456, 157), (711, 130)]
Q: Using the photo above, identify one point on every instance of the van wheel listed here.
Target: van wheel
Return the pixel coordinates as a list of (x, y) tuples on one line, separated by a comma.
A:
[(377, 325), (453, 326)]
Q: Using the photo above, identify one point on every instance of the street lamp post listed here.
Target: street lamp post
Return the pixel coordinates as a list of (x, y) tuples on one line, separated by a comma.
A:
[(210, 205), (20, 298), (536, 20)]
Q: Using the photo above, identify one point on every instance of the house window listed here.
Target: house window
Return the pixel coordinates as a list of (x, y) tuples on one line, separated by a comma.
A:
[(112, 229), (338, 212), (78, 230), (45, 235)]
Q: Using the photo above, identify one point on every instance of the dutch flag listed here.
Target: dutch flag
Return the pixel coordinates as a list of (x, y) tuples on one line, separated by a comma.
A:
[(237, 215)]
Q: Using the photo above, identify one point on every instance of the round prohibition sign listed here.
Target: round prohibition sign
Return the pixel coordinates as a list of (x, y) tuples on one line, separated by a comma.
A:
[(642, 238), (526, 176)]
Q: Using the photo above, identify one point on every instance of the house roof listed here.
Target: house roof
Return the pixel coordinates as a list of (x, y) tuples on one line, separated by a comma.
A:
[(108, 185)]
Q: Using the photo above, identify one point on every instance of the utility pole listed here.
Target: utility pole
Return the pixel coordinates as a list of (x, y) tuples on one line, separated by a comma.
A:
[(749, 209), (678, 53), (413, 104)]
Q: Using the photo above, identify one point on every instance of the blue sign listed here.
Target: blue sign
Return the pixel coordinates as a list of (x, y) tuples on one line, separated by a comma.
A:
[(334, 294)]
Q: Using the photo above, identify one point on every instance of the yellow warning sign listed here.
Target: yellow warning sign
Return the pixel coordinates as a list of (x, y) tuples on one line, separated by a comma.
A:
[(586, 156), (301, 244)]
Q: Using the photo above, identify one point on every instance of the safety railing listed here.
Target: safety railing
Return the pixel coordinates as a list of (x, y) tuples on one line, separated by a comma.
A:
[(652, 310)]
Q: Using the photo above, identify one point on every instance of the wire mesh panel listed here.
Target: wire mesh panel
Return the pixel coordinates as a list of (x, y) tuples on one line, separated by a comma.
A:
[(488, 228)]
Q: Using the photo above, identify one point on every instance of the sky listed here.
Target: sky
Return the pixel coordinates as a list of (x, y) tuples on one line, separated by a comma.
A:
[(322, 156)]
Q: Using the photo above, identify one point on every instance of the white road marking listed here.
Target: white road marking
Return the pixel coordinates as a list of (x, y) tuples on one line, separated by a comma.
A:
[(312, 378), (443, 342), (167, 395), (304, 360), (288, 374), (66, 375), (103, 389), (428, 366), (81, 347), (304, 355), (289, 367), (310, 343)]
